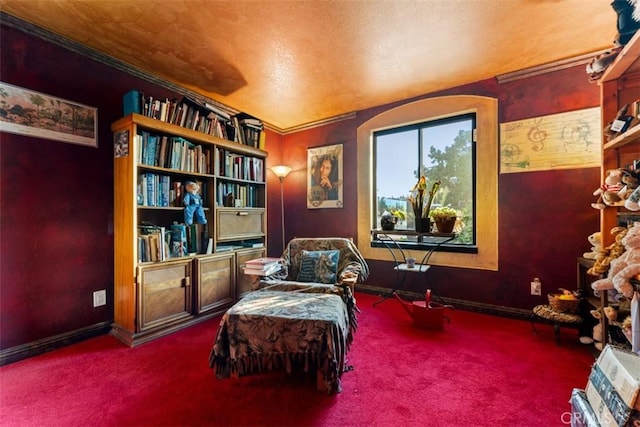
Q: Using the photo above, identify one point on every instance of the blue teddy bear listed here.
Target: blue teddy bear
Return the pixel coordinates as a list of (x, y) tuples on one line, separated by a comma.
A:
[(193, 204)]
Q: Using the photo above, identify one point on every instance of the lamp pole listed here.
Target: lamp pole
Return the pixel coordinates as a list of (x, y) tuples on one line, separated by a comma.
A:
[(281, 172), (282, 209)]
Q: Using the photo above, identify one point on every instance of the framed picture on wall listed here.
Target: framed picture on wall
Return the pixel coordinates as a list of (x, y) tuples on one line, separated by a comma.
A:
[(324, 177), (26, 112)]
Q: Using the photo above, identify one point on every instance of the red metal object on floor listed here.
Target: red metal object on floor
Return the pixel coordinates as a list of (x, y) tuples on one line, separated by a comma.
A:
[(426, 314)]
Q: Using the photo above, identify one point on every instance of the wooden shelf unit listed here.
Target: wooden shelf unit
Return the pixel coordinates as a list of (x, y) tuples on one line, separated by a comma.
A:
[(619, 85), (154, 298)]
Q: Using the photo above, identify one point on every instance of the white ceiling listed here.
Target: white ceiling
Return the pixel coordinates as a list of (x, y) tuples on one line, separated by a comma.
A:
[(292, 63)]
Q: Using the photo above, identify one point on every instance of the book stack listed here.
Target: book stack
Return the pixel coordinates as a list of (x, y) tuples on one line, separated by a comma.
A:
[(249, 130), (152, 246), (190, 113), (264, 266), (612, 393)]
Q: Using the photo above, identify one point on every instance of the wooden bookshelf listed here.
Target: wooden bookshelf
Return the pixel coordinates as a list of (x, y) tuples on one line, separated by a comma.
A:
[(156, 296)]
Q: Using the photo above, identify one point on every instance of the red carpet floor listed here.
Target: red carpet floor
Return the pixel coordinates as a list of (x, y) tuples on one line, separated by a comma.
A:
[(480, 371)]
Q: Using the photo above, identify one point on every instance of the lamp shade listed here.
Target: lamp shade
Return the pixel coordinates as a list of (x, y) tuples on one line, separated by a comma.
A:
[(281, 171)]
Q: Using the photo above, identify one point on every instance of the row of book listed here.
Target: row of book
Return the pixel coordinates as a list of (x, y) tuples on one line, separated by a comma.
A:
[(203, 117), (172, 152), (159, 243), (243, 244), (612, 395), (156, 190), (237, 195), (238, 166)]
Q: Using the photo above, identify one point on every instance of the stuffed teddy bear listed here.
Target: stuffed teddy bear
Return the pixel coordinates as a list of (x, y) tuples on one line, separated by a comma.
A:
[(608, 192), (624, 267), (630, 180), (597, 334), (598, 330), (614, 250), (626, 326), (193, 204), (596, 245)]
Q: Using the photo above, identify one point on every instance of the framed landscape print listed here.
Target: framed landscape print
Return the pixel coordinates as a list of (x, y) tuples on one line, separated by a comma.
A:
[(324, 177), (26, 112)]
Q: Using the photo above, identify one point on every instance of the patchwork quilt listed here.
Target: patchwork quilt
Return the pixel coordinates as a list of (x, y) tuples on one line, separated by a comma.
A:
[(290, 326)]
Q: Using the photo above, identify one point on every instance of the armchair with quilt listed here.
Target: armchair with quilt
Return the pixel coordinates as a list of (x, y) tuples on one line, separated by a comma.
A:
[(301, 317), (320, 260)]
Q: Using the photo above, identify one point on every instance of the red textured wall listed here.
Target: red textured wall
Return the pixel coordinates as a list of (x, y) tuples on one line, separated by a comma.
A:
[(545, 217), (56, 199), (56, 210)]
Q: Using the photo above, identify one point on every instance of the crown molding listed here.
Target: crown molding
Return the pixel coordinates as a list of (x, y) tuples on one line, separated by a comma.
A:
[(318, 123), (80, 49), (548, 68)]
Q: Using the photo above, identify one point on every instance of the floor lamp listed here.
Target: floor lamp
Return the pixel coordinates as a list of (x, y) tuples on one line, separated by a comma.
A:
[(281, 172)]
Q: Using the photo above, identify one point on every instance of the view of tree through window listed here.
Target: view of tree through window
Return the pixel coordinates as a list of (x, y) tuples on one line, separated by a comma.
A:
[(438, 150)]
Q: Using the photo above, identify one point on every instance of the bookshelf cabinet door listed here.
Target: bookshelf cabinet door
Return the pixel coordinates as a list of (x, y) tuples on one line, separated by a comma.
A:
[(245, 282), (215, 281), (164, 294), (237, 224)]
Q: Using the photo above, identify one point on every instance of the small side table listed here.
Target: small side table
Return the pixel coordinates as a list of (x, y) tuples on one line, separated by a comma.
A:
[(556, 319), (392, 243)]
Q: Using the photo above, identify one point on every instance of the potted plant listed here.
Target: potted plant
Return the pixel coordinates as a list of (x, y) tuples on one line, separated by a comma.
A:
[(445, 218), (388, 220), (421, 205)]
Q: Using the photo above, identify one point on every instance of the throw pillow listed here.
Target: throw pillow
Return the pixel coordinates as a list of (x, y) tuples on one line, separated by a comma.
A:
[(319, 266)]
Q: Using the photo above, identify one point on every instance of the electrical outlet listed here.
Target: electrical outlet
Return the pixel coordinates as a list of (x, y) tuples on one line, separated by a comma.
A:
[(100, 298), (536, 288)]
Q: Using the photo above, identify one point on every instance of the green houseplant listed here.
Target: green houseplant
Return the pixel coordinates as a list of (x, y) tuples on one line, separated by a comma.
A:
[(421, 204), (444, 217)]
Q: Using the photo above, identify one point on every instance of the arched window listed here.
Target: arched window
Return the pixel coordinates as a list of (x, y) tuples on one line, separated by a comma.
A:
[(474, 122)]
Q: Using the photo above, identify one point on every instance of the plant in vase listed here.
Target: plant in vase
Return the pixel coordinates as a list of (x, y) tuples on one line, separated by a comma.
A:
[(445, 218), (400, 215), (421, 204)]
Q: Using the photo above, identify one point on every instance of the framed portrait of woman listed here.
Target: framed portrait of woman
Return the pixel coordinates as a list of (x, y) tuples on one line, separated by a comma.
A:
[(324, 177)]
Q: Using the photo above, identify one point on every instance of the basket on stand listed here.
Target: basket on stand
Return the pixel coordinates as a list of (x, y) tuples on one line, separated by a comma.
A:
[(563, 305)]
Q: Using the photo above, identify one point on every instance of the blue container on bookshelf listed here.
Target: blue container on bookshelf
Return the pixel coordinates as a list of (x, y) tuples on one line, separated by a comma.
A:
[(131, 102)]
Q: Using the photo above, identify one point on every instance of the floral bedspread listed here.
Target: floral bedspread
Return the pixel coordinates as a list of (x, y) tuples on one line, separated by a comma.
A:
[(301, 328)]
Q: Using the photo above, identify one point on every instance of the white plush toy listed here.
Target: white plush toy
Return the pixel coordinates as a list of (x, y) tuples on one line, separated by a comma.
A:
[(633, 201), (596, 245), (624, 267)]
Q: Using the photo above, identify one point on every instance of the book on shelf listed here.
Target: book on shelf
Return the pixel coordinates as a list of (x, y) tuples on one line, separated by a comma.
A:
[(266, 271), (201, 116), (152, 244), (218, 111), (253, 244), (227, 248), (262, 262), (197, 238)]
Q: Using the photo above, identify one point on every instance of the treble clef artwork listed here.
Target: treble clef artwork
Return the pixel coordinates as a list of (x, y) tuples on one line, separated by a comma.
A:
[(536, 135), (555, 141)]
